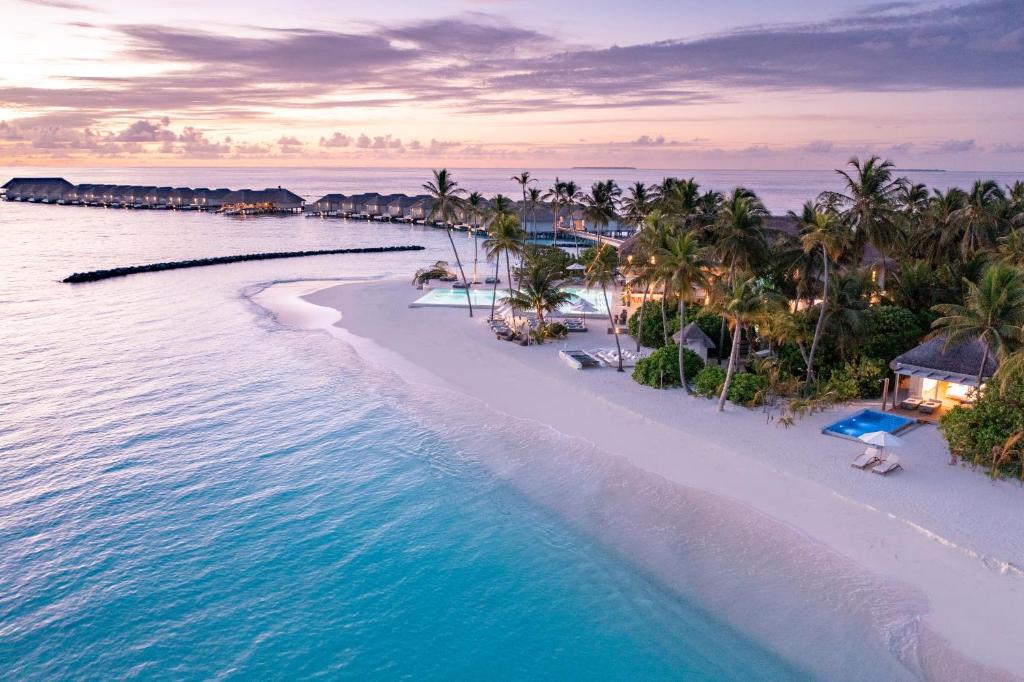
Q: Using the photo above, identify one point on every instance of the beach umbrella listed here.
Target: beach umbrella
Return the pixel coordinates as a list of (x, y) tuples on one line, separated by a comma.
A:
[(882, 439), (576, 267), (582, 305)]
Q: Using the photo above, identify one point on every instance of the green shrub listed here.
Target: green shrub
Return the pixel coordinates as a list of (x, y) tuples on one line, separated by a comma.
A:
[(975, 433), (859, 379), (652, 334), (709, 381), (556, 330), (661, 368), (745, 387)]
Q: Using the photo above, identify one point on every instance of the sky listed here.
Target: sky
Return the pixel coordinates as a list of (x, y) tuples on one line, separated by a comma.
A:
[(507, 83)]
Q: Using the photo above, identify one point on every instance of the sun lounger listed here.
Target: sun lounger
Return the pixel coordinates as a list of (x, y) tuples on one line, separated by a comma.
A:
[(868, 458), (911, 404), (929, 406), (887, 466)]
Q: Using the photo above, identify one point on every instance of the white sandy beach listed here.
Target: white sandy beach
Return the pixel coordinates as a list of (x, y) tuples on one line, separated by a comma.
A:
[(952, 535)]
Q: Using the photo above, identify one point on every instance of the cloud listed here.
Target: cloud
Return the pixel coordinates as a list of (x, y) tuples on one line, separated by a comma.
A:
[(957, 146), (146, 131), (645, 140), (1008, 148), (819, 147), (289, 144), (62, 4), (336, 140)]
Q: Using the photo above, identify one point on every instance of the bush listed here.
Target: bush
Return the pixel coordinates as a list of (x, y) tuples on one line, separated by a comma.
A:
[(708, 382), (976, 434), (661, 368), (859, 379), (652, 334), (745, 387), (890, 331), (556, 330)]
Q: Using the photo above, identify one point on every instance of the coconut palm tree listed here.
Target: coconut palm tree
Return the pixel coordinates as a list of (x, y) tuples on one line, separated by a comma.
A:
[(504, 236), (1011, 248), (599, 207), (601, 272), (870, 202), (447, 194), (644, 257), (738, 240), (533, 199), (474, 206), (976, 223), (571, 196), (637, 205), (821, 230), (741, 303), (540, 290), (555, 197), (523, 180), (436, 271), (992, 311), (681, 264)]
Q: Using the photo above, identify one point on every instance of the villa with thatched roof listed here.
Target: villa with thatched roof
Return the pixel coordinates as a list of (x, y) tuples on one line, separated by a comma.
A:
[(694, 338), (932, 378)]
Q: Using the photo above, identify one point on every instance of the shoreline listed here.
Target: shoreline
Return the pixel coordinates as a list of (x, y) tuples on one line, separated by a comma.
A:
[(797, 477)]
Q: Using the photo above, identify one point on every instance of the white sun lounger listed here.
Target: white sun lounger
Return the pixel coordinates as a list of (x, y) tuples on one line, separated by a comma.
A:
[(889, 465), (868, 458)]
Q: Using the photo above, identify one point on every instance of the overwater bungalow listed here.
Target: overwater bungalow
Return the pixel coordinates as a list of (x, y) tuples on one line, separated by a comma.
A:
[(932, 379), (420, 209), (35, 189), (356, 204), (255, 201), (397, 209), (329, 204), (378, 205)]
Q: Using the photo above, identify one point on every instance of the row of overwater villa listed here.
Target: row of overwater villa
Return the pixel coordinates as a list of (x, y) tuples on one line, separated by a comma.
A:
[(240, 201), (540, 221)]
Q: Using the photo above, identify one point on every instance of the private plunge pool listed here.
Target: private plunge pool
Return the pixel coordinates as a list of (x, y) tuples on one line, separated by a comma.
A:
[(586, 301), (866, 421)]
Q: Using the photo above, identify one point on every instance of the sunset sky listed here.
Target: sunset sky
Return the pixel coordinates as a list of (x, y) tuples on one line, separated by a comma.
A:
[(655, 84)]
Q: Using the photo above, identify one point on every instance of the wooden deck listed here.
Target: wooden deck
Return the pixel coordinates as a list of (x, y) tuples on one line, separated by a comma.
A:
[(932, 418)]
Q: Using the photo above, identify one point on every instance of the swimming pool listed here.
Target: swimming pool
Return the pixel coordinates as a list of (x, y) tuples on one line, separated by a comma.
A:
[(481, 295), (866, 421)]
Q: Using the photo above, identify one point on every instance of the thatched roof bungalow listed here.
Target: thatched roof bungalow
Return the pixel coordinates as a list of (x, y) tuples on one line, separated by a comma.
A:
[(328, 203), (948, 376), (35, 189)]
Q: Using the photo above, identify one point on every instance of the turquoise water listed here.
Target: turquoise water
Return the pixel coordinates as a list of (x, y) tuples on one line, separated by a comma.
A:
[(867, 421), (189, 491), (447, 297)]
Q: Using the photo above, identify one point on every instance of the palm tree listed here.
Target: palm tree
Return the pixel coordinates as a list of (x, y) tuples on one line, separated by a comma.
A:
[(540, 291), (870, 202), (681, 265), (436, 271), (739, 241), (643, 259), (599, 206), (474, 206), (977, 221), (523, 179), (1011, 248), (571, 196), (993, 311), (504, 236), (741, 303), (637, 205), (555, 197), (820, 230), (601, 272), (533, 199), (446, 194)]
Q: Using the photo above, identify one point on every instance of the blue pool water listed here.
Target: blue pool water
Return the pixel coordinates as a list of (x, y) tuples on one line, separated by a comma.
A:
[(867, 421), (483, 295)]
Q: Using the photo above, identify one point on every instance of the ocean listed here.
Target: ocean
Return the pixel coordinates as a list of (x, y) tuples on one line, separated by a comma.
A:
[(189, 490)]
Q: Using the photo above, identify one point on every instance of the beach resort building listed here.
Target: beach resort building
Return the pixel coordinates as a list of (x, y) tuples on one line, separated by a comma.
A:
[(932, 379), (329, 203), (46, 190), (694, 338)]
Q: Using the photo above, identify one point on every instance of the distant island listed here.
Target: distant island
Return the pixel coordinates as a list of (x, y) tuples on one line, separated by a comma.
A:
[(604, 168)]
